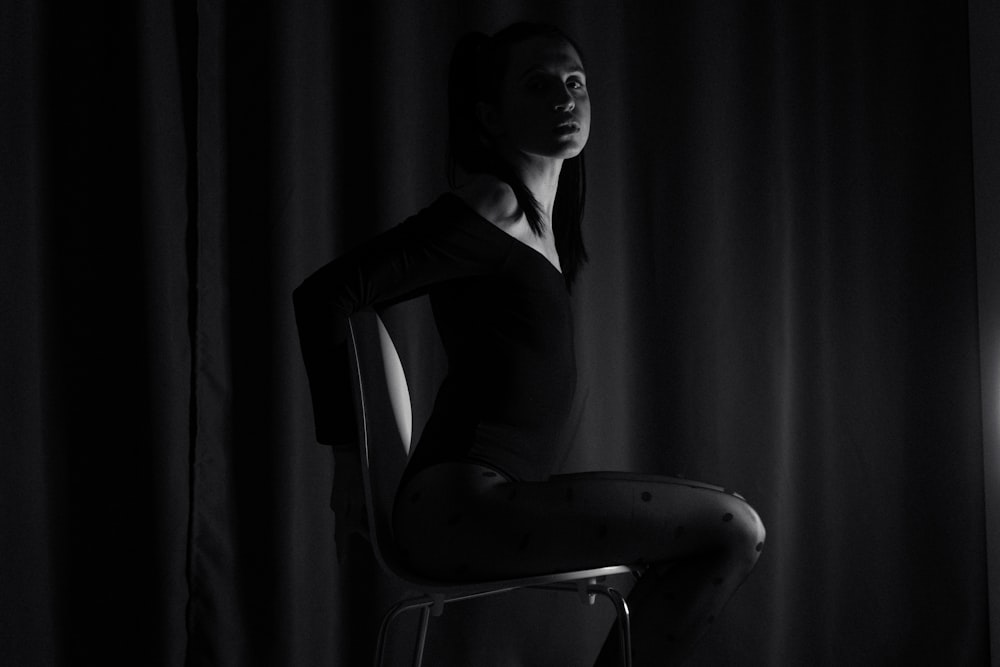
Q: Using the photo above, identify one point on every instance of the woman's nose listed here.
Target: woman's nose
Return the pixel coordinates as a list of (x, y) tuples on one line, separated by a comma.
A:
[(564, 101)]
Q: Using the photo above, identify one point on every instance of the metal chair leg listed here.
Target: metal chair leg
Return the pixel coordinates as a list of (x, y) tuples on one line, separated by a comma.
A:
[(394, 611), (435, 605), (624, 624), (418, 652)]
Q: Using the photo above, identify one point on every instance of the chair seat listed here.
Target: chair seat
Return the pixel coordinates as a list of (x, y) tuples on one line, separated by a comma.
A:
[(534, 581)]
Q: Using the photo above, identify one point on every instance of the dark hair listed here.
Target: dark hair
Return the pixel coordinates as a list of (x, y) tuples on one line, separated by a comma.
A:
[(478, 67)]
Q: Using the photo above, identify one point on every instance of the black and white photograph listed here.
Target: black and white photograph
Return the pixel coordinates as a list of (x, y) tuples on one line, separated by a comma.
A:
[(500, 333)]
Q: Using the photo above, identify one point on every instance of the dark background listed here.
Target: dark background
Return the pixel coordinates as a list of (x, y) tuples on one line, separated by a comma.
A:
[(792, 218)]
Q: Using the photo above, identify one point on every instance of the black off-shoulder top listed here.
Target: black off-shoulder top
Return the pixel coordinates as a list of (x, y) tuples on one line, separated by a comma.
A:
[(503, 313)]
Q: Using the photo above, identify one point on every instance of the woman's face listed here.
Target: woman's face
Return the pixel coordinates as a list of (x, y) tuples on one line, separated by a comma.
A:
[(544, 106)]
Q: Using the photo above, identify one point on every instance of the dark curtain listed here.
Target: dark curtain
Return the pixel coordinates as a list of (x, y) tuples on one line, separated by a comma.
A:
[(787, 296)]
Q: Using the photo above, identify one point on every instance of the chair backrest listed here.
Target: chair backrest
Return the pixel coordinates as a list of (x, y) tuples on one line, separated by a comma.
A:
[(384, 418)]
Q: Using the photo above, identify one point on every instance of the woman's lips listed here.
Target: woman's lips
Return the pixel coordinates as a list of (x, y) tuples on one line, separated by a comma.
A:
[(566, 128)]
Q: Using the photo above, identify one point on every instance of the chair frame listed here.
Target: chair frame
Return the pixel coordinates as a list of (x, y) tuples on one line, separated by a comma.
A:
[(375, 365)]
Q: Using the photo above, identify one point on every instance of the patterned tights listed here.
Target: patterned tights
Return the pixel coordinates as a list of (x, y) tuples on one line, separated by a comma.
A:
[(695, 542)]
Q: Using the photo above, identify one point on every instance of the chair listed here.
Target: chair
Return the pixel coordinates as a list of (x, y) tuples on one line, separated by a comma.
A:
[(383, 409)]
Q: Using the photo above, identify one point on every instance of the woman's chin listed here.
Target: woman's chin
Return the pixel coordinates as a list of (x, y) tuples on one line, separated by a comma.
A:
[(559, 150)]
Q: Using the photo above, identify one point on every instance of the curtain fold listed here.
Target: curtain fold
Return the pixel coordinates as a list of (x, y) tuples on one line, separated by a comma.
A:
[(791, 293), (95, 350), (26, 507), (984, 79)]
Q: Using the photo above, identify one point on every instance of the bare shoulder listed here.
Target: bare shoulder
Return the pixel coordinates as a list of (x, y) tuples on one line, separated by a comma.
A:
[(491, 198)]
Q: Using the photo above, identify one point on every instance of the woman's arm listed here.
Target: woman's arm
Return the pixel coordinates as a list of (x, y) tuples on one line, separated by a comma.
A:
[(444, 241)]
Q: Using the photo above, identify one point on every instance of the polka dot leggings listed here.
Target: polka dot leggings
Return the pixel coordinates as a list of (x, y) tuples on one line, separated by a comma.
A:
[(694, 542)]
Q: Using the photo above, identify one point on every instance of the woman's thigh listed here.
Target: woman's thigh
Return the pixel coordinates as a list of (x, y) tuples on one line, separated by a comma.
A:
[(461, 521)]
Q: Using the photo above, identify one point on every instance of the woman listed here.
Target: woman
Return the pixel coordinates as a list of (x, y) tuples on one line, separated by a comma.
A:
[(497, 256)]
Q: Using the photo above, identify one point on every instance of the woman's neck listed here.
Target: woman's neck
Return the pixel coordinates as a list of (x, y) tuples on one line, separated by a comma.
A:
[(540, 175)]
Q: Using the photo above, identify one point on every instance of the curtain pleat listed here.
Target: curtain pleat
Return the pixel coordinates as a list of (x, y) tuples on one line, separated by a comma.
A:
[(984, 78), (28, 504), (96, 366)]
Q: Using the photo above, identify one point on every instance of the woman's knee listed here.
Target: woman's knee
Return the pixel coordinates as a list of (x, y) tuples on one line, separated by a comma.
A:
[(745, 530)]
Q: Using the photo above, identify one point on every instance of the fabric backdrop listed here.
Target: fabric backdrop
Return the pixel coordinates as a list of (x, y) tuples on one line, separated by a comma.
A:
[(787, 296)]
